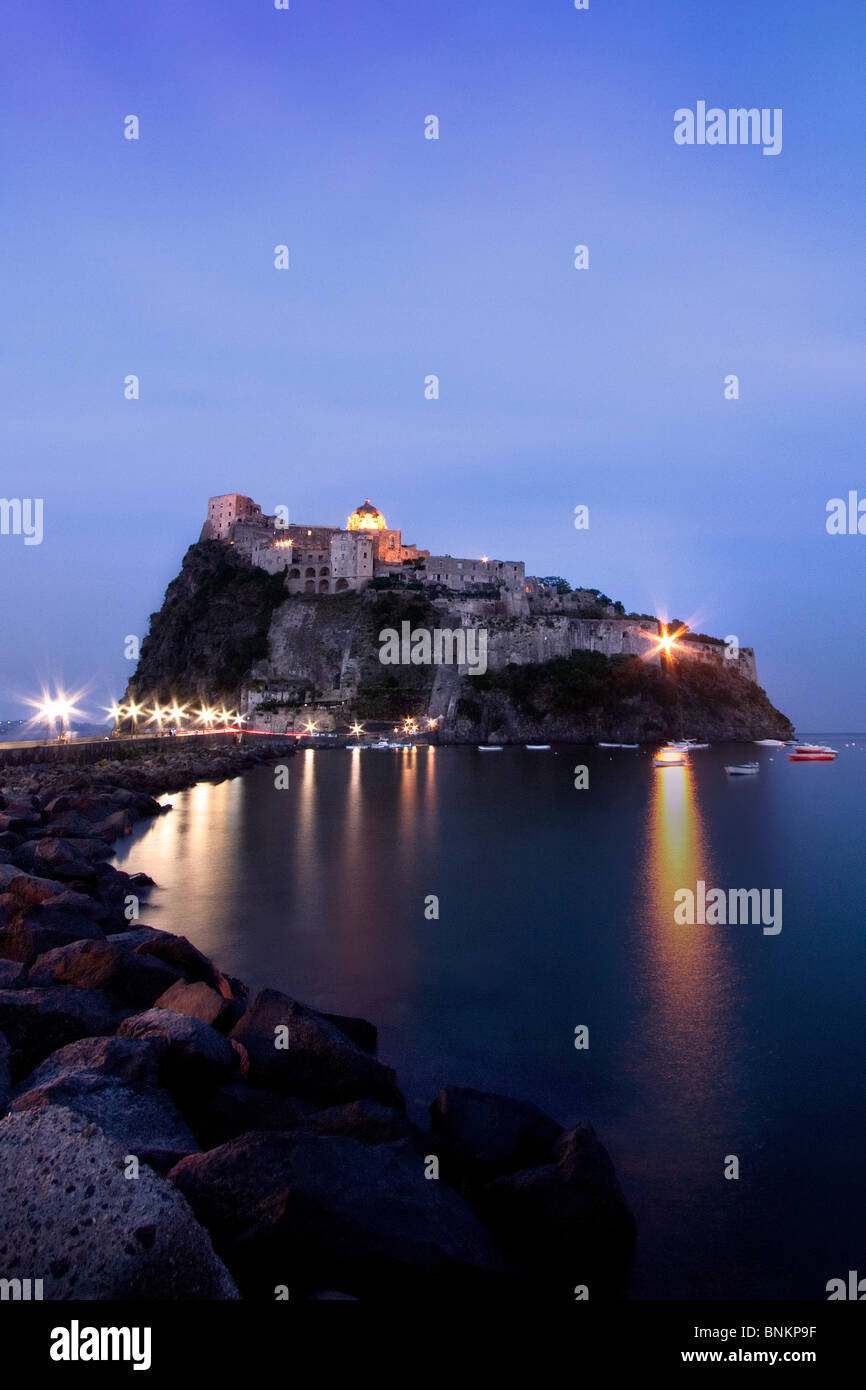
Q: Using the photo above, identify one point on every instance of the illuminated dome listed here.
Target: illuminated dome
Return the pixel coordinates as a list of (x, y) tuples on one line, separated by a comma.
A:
[(366, 518)]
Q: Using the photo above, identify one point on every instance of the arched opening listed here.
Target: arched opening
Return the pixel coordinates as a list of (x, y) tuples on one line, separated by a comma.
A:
[(310, 586), (323, 586), (341, 584), (324, 570), (295, 573), (310, 572)]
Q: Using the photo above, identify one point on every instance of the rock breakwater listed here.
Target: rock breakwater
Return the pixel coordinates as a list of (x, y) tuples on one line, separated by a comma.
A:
[(165, 1136)]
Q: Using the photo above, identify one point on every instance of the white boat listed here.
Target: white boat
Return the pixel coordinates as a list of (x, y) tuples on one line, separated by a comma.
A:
[(692, 743), (743, 769), (537, 746), (672, 755), (380, 743), (617, 745), (489, 748), (769, 742)]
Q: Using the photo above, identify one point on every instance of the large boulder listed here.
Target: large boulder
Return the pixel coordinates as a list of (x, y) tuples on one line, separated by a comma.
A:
[(56, 858), (20, 813), (69, 1214), (143, 1119), (24, 940), (317, 1212), (196, 1058), (132, 1061), (38, 1021), (185, 958), (202, 1002), (566, 1222), (28, 890), (488, 1135), (140, 980), (85, 964), (319, 1062)]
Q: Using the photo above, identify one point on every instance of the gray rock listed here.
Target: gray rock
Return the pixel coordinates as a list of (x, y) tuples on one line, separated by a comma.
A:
[(55, 858), (133, 1061), (144, 1120), (196, 1056), (38, 1021), (69, 1216), (104, 965), (488, 1135), (566, 1222), (184, 957), (320, 1062), (314, 1212)]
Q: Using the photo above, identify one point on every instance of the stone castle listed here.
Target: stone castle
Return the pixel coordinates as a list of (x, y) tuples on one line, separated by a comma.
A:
[(321, 560), (332, 560)]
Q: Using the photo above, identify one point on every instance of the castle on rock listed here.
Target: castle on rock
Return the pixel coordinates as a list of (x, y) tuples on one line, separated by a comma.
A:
[(333, 559)]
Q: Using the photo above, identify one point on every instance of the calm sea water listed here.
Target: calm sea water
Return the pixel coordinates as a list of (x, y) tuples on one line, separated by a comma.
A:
[(556, 909)]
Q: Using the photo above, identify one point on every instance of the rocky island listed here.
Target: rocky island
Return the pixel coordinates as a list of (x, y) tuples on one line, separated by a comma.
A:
[(297, 626)]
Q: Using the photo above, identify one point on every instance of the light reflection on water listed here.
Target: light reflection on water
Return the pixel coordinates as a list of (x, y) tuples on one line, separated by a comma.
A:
[(556, 908)]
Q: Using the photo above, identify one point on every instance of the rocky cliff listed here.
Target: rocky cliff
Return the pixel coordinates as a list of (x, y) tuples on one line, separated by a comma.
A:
[(228, 632)]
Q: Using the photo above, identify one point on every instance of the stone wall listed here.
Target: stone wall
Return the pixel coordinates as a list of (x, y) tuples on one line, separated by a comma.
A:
[(84, 751)]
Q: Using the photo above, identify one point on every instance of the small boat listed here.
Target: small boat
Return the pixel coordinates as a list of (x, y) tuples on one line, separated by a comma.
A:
[(673, 755), (537, 746), (489, 748), (769, 742), (743, 770), (812, 753), (691, 743), (610, 745), (380, 743)]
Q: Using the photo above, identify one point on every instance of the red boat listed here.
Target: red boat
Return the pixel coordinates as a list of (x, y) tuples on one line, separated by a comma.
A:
[(812, 753)]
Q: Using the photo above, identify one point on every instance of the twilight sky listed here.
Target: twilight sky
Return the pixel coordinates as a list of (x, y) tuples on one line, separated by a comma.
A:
[(409, 256)]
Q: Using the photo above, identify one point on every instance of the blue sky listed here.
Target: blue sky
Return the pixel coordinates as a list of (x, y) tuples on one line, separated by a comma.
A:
[(408, 257)]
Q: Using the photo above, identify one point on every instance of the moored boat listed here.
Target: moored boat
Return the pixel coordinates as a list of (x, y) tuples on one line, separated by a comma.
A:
[(672, 755), (743, 770), (537, 747), (489, 748), (812, 753)]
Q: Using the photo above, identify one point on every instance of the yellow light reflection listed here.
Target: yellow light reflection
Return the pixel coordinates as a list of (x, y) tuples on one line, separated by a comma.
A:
[(691, 991)]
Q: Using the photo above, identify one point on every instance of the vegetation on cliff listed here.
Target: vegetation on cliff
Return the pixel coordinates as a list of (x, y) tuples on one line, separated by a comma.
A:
[(212, 627), (598, 696)]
